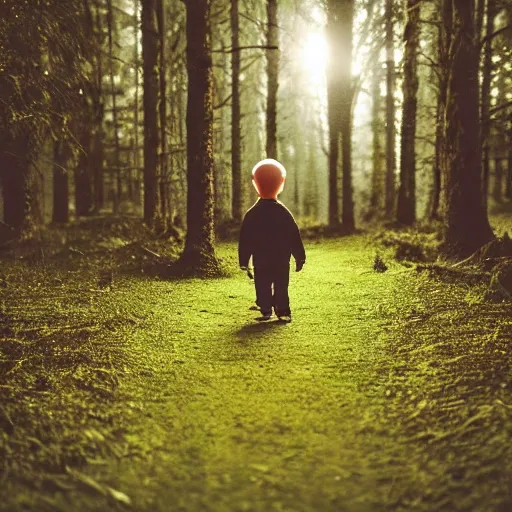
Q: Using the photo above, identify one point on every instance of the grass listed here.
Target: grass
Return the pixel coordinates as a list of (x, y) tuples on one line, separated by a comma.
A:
[(388, 391)]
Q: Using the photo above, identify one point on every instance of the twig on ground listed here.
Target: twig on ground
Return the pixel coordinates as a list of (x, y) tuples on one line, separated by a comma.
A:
[(151, 252)]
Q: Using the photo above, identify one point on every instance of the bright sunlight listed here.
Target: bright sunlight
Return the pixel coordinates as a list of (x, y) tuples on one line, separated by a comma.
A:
[(314, 57)]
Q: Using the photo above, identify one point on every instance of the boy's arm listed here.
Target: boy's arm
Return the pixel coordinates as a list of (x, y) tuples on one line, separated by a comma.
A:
[(244, 244), (298, 250)]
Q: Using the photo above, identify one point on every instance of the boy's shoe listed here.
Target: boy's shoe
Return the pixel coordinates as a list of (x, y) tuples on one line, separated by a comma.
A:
[(264, 316), (285, 318), (254, 307)]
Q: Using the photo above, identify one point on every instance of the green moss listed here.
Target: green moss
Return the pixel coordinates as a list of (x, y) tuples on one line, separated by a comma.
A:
[(388, 391)]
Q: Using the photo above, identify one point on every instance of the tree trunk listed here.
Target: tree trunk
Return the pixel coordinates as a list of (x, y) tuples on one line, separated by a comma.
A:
[(508, 154), (334, 84), (95, 197), (390, 112), (497, 194), (199, 254), (83, 177), (60, 183), (406, 205), (298, 159), (435, 196), (500, 140), (479, 16), (347, 95), (347, 211), (486, 96), (310, 200), (15, 174), (467, 226), (134, 189), (440, 162), (509, 174), (162, 110), (236, 164), (95, 162), (273, 78), (377, 180), (339, 98), (150, 62), (117, 159)]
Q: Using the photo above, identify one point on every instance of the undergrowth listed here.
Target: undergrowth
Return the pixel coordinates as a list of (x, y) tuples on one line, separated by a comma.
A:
[(450, 389), (66, 316), (61, 359)]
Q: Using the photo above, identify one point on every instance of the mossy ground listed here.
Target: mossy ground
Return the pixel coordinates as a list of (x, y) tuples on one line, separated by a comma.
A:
[(388, 391)]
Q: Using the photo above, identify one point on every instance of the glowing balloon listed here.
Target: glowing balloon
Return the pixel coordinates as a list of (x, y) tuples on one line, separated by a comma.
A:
[(268, 178)]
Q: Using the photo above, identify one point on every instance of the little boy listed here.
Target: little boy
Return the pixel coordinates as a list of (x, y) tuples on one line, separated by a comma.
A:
[(270, 235)]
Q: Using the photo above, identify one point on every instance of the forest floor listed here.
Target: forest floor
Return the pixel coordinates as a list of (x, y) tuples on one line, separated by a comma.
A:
[(123, 391)]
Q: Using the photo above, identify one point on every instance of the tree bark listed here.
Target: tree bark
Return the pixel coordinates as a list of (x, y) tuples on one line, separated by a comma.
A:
[(199, 254), (339, 100), (406, 204), (500, 141), (311, 185), (83, 177), (479, 15), (486, 96), (435, 196), (508, 135), (347, 211), (467, 226), (508, 189), (377, 180), (94, 198), (347, 95), (390, 111), (273, 78), (497, 190), (95, 162), (440, 162), (150, 84), (117, 159), (60, 183), (15, 174), (236, 164), (162, 111), (134, 182), (334, 84)]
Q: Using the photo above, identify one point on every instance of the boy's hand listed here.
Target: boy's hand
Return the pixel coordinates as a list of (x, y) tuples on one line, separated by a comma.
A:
[(299, 265)]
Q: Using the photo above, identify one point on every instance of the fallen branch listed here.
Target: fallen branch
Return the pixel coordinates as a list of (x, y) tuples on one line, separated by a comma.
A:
[(76, 251), (151, 252)]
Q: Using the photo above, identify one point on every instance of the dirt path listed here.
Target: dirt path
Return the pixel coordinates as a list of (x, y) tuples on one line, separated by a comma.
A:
[(323, 414), (249, 416)]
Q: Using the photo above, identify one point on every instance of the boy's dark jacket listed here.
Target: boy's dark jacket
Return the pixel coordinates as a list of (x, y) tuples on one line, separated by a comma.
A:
[(270, 235)]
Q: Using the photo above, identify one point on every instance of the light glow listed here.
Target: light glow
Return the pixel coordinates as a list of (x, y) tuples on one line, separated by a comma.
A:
[(314, 57)]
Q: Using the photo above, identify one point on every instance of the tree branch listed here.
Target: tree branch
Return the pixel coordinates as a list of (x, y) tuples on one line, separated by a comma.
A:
[(252, 20), (231, 50), (500, 107), (495, 34), (223, 102)]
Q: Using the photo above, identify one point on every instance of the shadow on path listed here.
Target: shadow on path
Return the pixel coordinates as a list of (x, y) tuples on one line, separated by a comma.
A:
[(257, 329)]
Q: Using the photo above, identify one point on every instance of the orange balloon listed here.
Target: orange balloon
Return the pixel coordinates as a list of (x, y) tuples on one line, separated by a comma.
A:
[(268, 178)]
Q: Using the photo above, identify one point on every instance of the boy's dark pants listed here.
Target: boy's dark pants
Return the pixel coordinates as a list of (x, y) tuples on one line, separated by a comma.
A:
[(279, 277)]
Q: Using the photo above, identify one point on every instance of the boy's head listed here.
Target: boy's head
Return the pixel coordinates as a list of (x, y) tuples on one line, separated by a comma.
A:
[(268, 178)]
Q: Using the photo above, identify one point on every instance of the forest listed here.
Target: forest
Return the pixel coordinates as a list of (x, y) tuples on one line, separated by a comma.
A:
[(132, 373)]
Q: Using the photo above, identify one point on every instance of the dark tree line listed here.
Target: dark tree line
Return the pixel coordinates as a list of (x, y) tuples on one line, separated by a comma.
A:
[(209, 70)]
